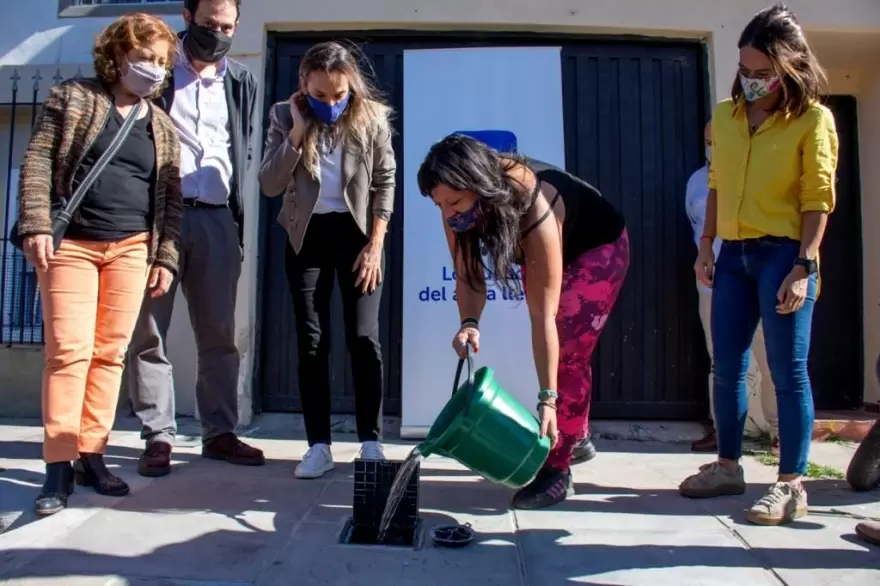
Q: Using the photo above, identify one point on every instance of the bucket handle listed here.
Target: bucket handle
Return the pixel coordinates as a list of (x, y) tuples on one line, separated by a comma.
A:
[(470, 377)]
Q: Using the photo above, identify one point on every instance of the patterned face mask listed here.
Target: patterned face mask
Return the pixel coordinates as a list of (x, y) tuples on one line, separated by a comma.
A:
[(464, 221), (755, 88)]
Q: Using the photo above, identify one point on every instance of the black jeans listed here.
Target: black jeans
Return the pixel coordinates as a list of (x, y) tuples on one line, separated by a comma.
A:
[(330, 248)]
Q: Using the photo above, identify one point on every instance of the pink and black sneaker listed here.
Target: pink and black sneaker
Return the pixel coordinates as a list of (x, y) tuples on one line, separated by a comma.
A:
[(550, 487)]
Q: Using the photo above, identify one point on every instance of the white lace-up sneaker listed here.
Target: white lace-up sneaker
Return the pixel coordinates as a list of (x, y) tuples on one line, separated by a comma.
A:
[(784, 502), (371, 451), (315, 463)]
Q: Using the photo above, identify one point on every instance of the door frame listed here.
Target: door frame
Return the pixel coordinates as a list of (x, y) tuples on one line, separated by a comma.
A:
[(848, 104), (414, 39)]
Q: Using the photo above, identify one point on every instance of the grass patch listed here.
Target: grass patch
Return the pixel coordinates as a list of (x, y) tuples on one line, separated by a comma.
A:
[(765, 458), (816, 471), (813, 470)]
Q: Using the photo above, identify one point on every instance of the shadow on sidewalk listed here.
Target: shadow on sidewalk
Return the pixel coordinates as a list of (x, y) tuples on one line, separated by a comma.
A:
[(176, 491), (251, 556), (262, 509)]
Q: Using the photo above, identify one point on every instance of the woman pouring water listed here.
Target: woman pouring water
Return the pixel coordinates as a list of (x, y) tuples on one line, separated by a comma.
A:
[(573, 248)]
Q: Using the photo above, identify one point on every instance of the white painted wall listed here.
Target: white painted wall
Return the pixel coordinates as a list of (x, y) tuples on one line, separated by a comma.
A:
[(846, 33), (33, 34)]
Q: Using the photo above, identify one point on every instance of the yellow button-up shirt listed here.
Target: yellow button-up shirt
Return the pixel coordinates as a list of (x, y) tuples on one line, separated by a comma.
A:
[(765, 181)]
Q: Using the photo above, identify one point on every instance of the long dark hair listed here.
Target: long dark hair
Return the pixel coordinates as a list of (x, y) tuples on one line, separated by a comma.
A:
[(775, 32), (466, 164)]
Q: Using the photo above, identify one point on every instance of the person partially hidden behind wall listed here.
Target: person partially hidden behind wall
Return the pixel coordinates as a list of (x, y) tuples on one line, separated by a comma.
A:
[(122, 239), (759, 382), (328, 151), (211, 100), (771, 189)]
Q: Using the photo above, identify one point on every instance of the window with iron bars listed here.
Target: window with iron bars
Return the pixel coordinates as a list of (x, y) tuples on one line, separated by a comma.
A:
[(97, 8), (21, 313)]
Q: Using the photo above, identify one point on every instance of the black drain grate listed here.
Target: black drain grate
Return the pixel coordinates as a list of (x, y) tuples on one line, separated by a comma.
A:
[(368, 535), (372, 484)]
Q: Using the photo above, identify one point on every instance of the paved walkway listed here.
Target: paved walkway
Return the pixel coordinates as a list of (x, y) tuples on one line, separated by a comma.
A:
[(210, 524)]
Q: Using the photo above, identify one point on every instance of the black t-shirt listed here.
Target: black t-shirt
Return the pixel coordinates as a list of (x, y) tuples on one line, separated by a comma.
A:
[(590, 220), (120, 202)]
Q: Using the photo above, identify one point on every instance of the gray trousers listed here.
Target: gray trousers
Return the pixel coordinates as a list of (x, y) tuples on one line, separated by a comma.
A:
[(210, 265)]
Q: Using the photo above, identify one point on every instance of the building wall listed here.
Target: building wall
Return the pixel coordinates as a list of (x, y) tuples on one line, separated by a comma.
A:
[(869, 133), (844, 33)]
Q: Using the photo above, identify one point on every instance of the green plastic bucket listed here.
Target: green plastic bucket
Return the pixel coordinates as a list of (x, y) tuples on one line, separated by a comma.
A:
[(485, 429)]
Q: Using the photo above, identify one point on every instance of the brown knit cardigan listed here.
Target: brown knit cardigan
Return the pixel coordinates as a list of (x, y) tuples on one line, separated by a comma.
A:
[(70, 120)]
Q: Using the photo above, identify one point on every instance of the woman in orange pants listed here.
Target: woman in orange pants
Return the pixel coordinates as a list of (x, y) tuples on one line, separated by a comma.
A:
[(122, 238)]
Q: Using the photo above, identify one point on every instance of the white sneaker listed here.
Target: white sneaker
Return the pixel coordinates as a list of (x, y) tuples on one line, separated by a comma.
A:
[(371, 451), (315, 463)]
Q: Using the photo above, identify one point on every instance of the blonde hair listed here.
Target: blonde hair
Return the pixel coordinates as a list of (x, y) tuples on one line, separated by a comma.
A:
[(366, 112)]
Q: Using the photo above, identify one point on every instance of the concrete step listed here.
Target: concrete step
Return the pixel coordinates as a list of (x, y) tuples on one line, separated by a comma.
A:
[(849, 426)]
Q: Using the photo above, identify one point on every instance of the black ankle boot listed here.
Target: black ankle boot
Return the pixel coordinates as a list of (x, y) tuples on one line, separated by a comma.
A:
[(90, 470), (57, 487)]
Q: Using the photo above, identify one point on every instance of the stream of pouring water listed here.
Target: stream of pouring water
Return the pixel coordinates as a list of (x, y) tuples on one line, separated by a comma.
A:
[(398, 488)]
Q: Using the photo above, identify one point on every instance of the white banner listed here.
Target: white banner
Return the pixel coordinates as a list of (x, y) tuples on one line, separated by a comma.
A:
[(502, 96)]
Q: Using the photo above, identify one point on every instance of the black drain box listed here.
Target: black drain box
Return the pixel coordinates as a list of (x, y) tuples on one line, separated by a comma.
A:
[(372, 485)]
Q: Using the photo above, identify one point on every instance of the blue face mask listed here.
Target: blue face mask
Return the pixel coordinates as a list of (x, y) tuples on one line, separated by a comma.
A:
[(464, 221), (327, 113)]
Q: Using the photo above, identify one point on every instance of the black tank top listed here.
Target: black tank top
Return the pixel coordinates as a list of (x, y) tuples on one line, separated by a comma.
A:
[(590, 220)]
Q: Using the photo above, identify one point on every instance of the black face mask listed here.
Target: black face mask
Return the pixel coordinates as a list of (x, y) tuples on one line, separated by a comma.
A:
[(206, 44)]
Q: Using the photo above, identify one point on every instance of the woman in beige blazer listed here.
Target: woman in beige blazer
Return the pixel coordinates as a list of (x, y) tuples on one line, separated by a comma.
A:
[(328, 152)]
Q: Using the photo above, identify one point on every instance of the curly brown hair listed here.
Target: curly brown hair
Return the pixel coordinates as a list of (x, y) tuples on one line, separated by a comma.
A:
[(131, 31)]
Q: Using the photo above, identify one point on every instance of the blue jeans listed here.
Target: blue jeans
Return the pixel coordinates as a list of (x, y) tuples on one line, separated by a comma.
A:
[(748, 274)]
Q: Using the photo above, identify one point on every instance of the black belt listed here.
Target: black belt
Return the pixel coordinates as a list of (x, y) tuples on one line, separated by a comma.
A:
[(194, 203)]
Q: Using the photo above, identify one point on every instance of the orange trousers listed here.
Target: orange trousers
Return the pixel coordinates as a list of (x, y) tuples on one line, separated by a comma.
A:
[(91, 295)]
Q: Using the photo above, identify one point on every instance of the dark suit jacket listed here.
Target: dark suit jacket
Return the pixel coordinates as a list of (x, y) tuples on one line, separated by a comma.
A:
[(241, 99)]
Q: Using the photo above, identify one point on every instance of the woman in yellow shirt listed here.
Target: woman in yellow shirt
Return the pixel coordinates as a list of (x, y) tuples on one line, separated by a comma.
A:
[(771, 184)]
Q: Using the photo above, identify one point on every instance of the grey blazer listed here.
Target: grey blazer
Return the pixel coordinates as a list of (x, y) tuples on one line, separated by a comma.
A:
[(368, 178)]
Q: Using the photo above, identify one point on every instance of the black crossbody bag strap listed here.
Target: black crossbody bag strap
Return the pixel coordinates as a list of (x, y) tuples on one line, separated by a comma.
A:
[(61, 221)]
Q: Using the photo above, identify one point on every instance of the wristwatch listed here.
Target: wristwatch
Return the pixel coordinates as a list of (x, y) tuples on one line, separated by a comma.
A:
[(811, 266)]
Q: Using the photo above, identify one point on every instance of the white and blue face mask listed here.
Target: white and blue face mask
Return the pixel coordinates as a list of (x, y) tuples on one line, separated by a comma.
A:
[(755, 88)]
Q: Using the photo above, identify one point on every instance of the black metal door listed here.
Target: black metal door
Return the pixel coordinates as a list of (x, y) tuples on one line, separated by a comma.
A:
[(836, 345), (634, 117), (277, 357)]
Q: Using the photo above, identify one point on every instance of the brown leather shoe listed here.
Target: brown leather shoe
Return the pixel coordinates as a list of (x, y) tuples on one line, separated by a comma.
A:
[(156, 460), (708, 443), (869, 531), (774, 446), (229, 448)]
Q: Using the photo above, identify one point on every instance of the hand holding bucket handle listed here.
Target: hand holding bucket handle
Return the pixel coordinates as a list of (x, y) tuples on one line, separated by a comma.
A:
[(469, 389)]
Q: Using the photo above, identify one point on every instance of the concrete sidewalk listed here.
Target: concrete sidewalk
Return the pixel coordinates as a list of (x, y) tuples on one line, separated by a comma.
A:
[(210, 523)]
